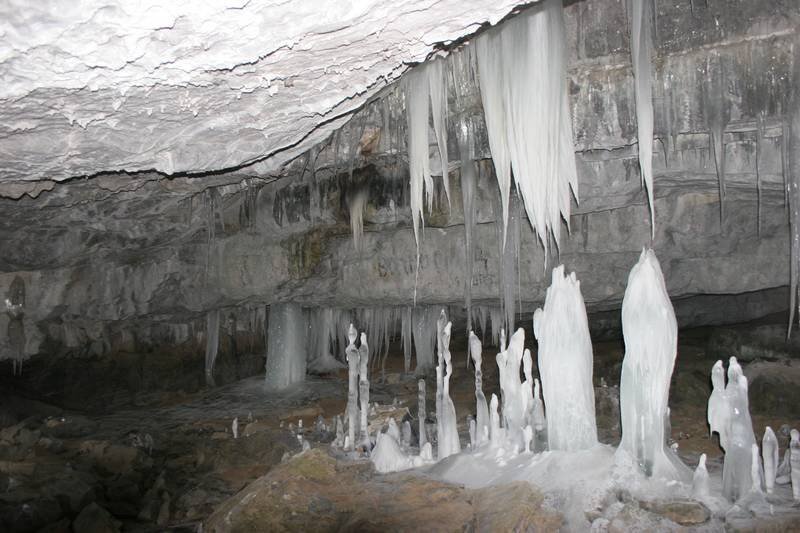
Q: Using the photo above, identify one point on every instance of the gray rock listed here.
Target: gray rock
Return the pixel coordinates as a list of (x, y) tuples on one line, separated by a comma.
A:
[(95, 519)]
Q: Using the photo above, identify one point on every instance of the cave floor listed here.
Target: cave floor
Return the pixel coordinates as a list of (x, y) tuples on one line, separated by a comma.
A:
[(174, 464)]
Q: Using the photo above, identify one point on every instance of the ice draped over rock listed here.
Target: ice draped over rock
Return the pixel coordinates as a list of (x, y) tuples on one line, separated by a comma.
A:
[(651, 341), (565, 365)]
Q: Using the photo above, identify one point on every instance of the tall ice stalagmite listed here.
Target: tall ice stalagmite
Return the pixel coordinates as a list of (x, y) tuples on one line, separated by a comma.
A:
[(651, 341), (565, 365)]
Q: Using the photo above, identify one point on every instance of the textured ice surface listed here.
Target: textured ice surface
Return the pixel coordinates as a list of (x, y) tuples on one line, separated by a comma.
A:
[(286, 346), (352, 391), (481, 409), (522, 69), (565, 365), (449, 443), (769, 453), (641, 50), (651, 341), (794, 449), (363, 388)]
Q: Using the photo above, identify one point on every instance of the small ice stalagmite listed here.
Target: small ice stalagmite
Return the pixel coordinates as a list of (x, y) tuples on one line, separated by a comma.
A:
[(422, 414), (235, 427), (769, 453), (538, 420), (450, 444), (481, 410), (737, 467), (352, 393), (755, 470), (794, 461), (393, 430), (527, 387), (700, 486), (339, 431), (495, 436), (718, 408), (363, 388), (405, 434), (651, 342), (528, 434), (565, 365)]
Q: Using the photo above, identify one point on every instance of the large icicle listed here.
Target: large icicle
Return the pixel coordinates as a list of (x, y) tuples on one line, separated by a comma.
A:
[(522, 68), (641, 49), (212, 344), (566, 365), (286, 346), (437, 84), (791, 172), (650, 331)]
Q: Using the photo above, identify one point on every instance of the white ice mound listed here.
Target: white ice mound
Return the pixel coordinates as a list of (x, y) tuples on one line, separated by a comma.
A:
[(651, 339), (565, 365)]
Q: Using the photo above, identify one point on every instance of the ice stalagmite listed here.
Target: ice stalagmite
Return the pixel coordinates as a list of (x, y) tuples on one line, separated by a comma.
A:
[(718, 409), (286, 346), (440, 325), (422, 414), (495, 431), (794, 461), (363, 388), (651, 336), (513, 403), (641, 48), (565, 365), (352, 392), (538, 420), (527, 387), (523, 82), (700, 487), (769, 453), (737, 467), (481, 410), (449, 444)]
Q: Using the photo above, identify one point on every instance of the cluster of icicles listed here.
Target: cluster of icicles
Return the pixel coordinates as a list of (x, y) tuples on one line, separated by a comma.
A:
[(559, 414)]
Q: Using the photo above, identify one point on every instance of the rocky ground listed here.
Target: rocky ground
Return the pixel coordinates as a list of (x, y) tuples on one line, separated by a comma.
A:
[(173, 464)]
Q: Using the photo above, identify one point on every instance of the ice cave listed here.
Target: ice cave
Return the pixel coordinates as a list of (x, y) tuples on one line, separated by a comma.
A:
[(362, 265)]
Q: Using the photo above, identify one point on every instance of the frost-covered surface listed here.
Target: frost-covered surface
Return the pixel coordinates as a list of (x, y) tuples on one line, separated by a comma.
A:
[(179, 86)]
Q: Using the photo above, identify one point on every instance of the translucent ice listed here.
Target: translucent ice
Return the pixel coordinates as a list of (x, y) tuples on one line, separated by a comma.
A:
[(700, 487), (495, 431), (769, 452), (363, 387), (565, 365), (651, 335), (286, 346), (481, 410), (352, 391), (387, 456), (794, 448), (513, 401), (449, 443), (739, 437)]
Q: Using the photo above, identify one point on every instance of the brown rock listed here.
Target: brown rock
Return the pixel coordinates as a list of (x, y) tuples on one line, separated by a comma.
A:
[(683, 512)]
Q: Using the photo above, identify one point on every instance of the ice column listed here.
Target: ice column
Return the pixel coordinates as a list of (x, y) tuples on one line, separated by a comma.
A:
[(286, 346), (423, 437), (651, 336), (769, 452), (513, 403), (449, 444), (352, 392), (737, 467), (794, 461), (481, 410), (565, 365), (363, 387)]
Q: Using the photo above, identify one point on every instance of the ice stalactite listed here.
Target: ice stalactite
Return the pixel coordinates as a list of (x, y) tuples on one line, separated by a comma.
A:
[(791, 172), (424, 337), (650, 331), (212, 344), (641, 51), (760, 131), (523, 83), (363, 390), (769, 452), (286, 346), (422, 414), (406, 337), (510, 259), (468, 188), (357, 204), (717, 115), (481, 410), (449, 443), (352, 390), (322, 340), (437, 84), (565, 365)]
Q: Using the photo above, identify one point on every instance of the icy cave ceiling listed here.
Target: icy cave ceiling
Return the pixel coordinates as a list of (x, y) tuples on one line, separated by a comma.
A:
[(195, 87)]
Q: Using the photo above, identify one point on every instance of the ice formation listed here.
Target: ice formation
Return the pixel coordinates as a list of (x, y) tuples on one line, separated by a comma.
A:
[(468, 186), (449, 443), (212, 344), (769, 453), (424, 330), (481, 410), (363, 388), (508, 362), (700, 482), (352, 391), (565, 365), (496, 435), (422, 414), (387, 456), (358, 205), (235, 428), (651, 335), (641, 49), (794, 450), (522, 68), (538, 419), (286, 346)]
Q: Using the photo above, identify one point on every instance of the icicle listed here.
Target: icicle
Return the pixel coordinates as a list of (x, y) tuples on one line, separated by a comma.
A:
[(791, 173), (468, 186), (641, 50), (717, 116), (406, 328), (212, 344), (522, 69), (358, 205), (437, 83), (760, 119)]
